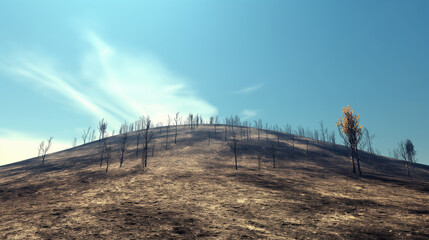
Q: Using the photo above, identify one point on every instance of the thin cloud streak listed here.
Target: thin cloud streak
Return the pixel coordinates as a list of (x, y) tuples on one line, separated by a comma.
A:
[(246, 114), (112, 84), (249, 89)]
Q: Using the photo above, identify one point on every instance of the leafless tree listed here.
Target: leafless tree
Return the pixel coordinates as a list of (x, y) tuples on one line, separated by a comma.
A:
[(301, 131), (258, 126), (316, 135), (102, 127), (168, 127), (74, 142), (236, 121), (43, 149), (107, 154), (288, 128), (323, 132), (248, 130), (176, 122), (85, 135), (190, 119), (266, 132), (407, 153), (124, 138), (141, 123), (310, 133), (233, 144), (197, 120), (92, 137), (368, 139), (211, 120), (124, 128), (147, 136), (216, 122)]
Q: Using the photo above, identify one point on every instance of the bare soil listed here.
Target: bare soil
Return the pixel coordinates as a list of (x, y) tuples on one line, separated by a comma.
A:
[(192, 191)]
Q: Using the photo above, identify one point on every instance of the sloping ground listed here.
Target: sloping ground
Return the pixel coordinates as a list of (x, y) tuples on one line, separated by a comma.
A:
[(192, 191)]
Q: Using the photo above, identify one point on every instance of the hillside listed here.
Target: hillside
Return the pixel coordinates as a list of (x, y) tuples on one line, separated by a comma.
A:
[(191, 191)]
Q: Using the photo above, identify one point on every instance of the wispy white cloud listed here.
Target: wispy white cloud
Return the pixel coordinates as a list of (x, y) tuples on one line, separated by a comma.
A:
[(246, 114), (112, 84), (249, 89), (16, 146)]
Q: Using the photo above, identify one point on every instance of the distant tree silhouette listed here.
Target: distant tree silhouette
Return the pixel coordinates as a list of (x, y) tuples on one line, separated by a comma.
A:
[(309, 133), (266, 131), (85, 135), (258, 126), (301, 131), (201, 120), (368, 139), (288, 128), (316, 135), (323, 132), (141, 123), (351, 132), (102, 127), (407, 153), (216, 122), (107, 150), (176, 123), (43, 149), (276, 127), (147, 136), (124, 131), (233, 144), (197, 120), (190, 119), (74, 142), (92, 137)]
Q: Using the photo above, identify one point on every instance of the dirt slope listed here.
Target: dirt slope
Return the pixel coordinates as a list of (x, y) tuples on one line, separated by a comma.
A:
[(192, 191)]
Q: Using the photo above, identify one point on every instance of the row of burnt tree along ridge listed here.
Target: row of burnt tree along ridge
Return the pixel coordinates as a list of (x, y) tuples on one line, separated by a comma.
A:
[(234, 131)]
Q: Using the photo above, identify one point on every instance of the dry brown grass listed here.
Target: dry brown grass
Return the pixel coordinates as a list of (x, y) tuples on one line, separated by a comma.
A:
[(192, 191)]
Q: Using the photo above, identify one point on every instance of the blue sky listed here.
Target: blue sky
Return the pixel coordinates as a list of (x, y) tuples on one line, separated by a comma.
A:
[(65, 65)]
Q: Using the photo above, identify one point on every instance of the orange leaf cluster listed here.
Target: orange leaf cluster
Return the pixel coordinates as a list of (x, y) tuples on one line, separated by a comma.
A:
[(350, 123)]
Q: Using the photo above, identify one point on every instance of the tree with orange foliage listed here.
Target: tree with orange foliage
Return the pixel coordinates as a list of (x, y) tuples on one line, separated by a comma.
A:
[(351, 132)]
